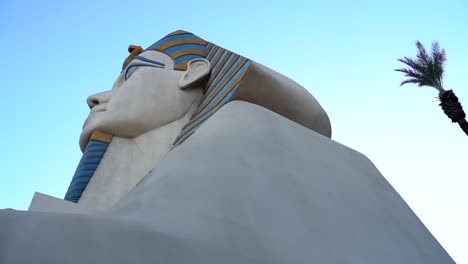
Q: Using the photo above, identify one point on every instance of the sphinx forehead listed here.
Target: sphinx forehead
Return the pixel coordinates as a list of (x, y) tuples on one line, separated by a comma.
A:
[(159, 57)]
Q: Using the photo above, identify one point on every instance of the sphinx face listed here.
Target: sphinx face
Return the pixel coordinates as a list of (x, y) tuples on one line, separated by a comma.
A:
[(145, 96)]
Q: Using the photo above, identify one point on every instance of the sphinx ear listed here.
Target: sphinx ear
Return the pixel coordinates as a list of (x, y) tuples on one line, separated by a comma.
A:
[(197, 71)]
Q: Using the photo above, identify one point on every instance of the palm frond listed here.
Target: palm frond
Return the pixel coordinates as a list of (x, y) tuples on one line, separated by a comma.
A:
[(439, 61), (426, 69), (411, 80), (422, 56), (413, 64), (421, 78)]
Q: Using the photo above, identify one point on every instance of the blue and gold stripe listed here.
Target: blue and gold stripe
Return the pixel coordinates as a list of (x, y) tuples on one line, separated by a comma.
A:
[(182, 47), (89, 162)]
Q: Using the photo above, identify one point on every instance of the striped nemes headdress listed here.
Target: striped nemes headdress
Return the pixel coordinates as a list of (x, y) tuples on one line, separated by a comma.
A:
[(227, 70)]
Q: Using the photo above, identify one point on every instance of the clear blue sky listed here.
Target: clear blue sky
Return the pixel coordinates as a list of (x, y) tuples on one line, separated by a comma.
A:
[(56, 53)]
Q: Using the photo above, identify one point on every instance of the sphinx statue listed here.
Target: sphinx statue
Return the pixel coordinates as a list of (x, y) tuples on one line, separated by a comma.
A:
[(200, 155), (161, 97)]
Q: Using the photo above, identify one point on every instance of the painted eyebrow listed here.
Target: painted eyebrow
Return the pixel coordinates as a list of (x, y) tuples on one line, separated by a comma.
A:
[(148, 60), (145, 63)]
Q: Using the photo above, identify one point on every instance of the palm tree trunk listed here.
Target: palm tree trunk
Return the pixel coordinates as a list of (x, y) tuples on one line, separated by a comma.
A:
[(453, 109), (463, 125)]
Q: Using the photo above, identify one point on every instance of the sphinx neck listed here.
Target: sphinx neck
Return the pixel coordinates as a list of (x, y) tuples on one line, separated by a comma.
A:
[(127, 161)]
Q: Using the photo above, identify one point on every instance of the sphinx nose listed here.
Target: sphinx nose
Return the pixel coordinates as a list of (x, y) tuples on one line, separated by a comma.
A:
[(97, 99)]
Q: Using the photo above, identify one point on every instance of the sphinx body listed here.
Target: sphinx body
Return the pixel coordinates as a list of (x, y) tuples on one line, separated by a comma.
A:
[(248, 177)]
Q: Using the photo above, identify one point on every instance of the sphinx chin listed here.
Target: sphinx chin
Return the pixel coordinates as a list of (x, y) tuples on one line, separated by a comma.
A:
[(84, 139)]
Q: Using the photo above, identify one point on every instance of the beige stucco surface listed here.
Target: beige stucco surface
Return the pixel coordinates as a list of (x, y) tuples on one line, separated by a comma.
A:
[(249, 186)]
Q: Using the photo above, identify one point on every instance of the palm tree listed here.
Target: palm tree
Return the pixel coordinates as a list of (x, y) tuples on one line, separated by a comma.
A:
[(428, 70)]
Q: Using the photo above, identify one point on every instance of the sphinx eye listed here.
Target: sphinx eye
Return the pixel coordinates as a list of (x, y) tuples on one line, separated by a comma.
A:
[(140, 61), (153, 62), (130, 71)]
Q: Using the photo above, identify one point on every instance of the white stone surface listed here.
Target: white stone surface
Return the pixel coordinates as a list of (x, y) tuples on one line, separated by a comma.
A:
[(248, 187), (46, 203), (278, 93)]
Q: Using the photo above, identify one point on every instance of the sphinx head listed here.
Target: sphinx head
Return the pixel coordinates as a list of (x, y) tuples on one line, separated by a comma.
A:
[(160, 84)]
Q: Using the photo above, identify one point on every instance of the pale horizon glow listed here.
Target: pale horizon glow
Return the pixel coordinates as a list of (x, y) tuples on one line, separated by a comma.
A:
[(56, 53)]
